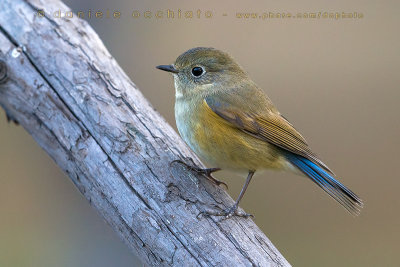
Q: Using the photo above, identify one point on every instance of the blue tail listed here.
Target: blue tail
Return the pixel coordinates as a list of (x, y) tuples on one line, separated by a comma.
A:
[(330, 185)]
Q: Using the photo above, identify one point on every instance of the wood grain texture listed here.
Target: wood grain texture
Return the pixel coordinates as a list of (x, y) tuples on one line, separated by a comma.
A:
[(62, 85)]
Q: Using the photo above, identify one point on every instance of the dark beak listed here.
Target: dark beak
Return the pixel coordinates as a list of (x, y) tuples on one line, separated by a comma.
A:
[(169, 68)]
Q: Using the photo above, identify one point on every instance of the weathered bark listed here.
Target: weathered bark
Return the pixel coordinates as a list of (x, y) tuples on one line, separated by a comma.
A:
[(67, 91)]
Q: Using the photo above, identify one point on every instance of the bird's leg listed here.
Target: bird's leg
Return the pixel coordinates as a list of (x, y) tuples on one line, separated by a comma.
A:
[(233, 210), (207, 172)]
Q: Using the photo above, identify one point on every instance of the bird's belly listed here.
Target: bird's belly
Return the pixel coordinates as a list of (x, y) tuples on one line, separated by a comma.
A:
[(221, 145)]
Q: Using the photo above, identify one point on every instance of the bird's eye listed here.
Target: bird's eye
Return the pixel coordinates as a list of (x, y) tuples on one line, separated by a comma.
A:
[(197, 71)]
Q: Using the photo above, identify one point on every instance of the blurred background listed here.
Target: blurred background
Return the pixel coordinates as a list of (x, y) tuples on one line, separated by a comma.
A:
[(336, 80)]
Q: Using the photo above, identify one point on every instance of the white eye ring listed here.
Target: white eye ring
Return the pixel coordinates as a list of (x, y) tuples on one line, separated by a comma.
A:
[(198, 71)]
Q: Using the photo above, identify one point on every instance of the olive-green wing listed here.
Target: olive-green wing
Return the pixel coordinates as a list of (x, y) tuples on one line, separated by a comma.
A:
[(265, 125)]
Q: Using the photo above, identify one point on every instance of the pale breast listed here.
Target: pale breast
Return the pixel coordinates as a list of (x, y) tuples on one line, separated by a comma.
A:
[(185, 117)]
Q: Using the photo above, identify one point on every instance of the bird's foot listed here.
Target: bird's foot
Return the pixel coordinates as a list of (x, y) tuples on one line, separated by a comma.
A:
[(226, 213), (205, 172)]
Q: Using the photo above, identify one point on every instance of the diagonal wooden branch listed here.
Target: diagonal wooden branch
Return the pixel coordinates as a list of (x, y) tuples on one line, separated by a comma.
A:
[(61, 84)]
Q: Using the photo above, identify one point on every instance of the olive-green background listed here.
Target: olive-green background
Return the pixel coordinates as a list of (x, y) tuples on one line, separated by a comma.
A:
[(337, 81)]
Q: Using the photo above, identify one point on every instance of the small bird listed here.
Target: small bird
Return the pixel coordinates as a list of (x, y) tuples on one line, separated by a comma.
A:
[(230, 123)]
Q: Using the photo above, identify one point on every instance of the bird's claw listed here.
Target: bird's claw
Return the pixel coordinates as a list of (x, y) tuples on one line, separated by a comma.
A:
[(204, 172), (227, 213)]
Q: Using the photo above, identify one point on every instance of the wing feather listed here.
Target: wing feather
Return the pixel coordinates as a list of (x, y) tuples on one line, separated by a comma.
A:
[(268, 126)]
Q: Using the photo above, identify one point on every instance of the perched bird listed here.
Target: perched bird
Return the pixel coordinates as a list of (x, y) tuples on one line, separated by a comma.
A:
[(229, 122)]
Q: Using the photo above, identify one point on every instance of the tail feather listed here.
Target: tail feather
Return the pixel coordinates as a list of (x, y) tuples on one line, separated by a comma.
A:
[(349, 200)]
